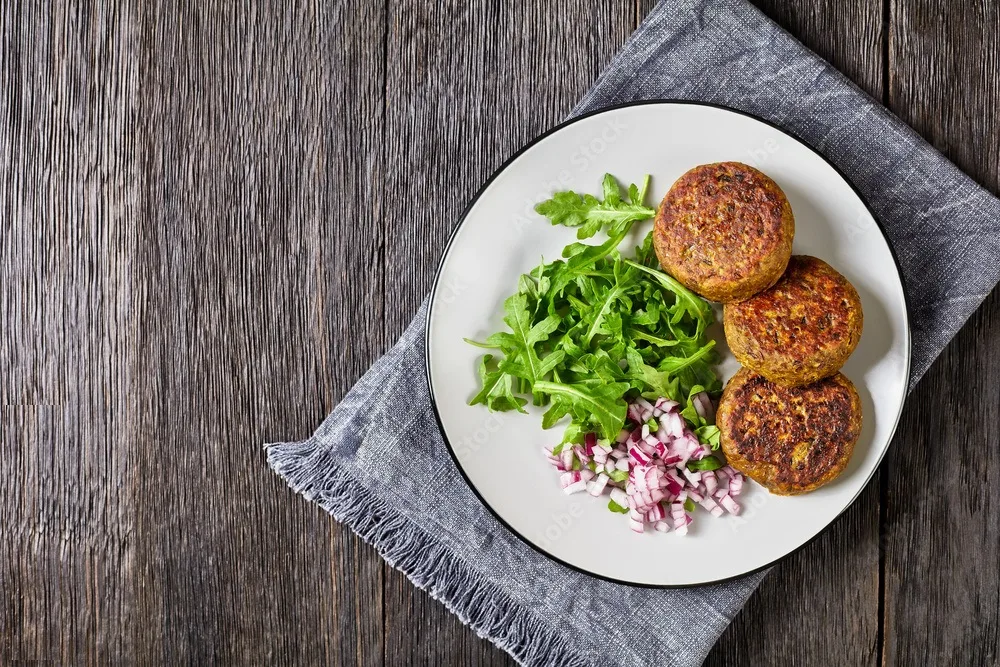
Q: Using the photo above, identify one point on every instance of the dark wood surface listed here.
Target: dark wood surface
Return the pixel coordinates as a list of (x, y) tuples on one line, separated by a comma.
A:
[(214, 220)]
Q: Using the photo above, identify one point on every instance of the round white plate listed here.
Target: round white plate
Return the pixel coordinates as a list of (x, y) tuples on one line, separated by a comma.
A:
[(501, 237)]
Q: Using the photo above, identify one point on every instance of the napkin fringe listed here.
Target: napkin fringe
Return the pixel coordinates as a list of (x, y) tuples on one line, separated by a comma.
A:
[(426, 562)]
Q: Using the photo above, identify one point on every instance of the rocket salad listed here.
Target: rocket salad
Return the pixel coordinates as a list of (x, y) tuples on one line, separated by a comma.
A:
[(590, 332)]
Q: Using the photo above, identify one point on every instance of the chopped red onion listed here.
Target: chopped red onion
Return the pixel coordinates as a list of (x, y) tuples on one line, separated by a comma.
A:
[(703, 406), (658, 480), (731, 505), (710, 481), (567, 458), (692, 476), (643, 403), (638, 457), (596, 487), (665, 404)]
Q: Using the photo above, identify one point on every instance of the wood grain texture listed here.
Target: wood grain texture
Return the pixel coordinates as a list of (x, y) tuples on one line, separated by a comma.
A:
[(215, 219), (941, 535), (256, 267), (70, 316)]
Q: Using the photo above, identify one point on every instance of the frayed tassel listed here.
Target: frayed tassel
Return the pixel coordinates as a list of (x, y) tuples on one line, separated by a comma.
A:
[(478, 603)]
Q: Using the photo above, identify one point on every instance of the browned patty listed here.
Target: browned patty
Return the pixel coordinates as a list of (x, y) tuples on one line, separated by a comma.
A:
[(801, 329), (725, 231), (789, 439)]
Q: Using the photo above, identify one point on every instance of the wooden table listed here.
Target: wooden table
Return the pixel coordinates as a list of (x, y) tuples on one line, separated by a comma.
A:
[(214, 220)]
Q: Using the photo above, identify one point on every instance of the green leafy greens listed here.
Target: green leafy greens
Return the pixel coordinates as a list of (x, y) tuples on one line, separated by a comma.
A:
[(593, 330), (590, 214)]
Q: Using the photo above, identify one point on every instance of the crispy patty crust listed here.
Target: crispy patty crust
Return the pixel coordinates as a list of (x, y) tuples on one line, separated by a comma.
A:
[(789, 439), (725, 231), (801, 329)]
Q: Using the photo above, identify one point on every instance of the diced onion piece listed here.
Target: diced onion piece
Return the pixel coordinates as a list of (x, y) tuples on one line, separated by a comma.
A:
[(693, 477), (703, 406), (710, 481), (638, 456), (665, 404), (568, 478), (643, 403), (567, 458), (735, 485), (596, 487), (731, 505)]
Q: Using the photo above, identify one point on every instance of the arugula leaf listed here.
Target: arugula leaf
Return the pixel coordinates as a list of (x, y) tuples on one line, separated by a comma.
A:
[(522, 358), (612, 192), (601, 405), (665, 379), (690, 413), (600, 308), (617, 475), (690, 302), (645, 254), (615, 507), (591, 214), (581, 262), (573, 435), (496, 392), (709, 435), (638, 334), (707, 463), (676, 364), (638, 195)]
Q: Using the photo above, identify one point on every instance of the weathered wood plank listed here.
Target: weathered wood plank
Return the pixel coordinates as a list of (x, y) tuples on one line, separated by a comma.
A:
[(68, 315), (467, 86), (263, 303), (942, 535)]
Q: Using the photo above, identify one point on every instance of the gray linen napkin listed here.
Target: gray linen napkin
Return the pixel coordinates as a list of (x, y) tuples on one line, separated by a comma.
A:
[(401, 492)]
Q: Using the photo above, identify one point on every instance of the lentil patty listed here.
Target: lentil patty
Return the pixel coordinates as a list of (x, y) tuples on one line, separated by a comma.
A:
[(725, 231), (800, 330), (789, 439)]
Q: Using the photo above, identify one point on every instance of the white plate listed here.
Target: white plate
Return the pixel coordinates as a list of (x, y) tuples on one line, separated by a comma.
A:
[(501, 237)]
